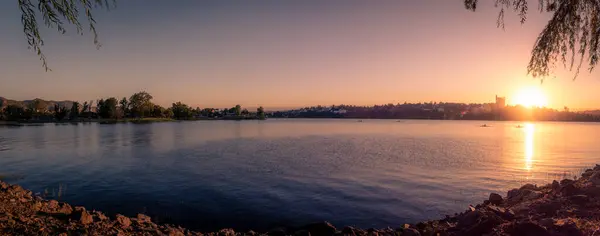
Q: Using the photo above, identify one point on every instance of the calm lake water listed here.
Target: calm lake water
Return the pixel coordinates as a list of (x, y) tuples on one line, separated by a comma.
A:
[(208, 175)]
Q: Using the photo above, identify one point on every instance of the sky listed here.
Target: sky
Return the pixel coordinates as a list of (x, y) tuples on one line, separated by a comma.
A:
[(285, 54)]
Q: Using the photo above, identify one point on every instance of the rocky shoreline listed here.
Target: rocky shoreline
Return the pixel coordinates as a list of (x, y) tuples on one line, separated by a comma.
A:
[(568, 207)]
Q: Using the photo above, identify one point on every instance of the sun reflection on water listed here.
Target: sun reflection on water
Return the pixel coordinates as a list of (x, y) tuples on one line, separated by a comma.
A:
[(529, 132)]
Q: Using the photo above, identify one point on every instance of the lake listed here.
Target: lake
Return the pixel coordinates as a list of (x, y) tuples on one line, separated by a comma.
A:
[(207, 175)]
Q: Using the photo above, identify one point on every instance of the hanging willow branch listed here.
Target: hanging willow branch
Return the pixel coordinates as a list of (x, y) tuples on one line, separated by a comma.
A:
[(55, 13), (572, 33)]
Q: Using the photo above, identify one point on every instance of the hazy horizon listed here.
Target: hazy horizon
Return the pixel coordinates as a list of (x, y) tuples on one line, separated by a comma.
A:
[(280, 54)]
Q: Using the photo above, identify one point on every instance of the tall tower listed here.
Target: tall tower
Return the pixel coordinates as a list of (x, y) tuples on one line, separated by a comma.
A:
[(500, 102)]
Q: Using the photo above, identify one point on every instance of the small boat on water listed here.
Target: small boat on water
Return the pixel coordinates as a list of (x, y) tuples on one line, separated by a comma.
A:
[(519, 126), (360, 121), (485, 125)]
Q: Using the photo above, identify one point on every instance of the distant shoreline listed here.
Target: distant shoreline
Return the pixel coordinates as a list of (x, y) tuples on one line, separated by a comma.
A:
[(116, 121)]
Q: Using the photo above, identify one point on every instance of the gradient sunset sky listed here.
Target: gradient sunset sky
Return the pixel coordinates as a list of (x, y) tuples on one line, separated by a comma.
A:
[(283, 54)]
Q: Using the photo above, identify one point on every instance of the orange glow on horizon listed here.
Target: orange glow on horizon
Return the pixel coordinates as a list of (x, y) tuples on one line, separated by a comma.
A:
[(530, 97)]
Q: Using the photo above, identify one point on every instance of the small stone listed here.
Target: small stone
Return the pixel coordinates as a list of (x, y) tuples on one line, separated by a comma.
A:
[(547, 222), (579, 199), (141, 218), (52, 204), (251, 233), (348, 231), (555, 185), (529, 187), (225, 232), (100, 216), (86, 218), (123, 221), (587, 173), (468, 219), (4, 186), (496, 199)]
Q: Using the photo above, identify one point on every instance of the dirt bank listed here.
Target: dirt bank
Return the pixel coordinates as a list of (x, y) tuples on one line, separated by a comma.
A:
[(568, 207)]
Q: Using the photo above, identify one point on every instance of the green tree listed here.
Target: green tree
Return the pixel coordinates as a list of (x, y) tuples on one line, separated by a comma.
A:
[(124, 106), (260, 112), (168, 113), (14, 112), (74, 113), (237, 110), (107, 109), (182, 111), (571, 32), (60, 112), (55, 14), (140, 104), (158, 111)]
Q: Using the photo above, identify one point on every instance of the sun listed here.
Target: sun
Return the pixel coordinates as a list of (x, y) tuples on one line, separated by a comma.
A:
[(531, 97)]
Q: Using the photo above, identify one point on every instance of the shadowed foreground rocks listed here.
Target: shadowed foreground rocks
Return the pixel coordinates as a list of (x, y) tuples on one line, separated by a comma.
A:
[(568, 207)]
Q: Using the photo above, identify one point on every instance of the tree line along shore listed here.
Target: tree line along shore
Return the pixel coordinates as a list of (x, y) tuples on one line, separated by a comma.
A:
[(138, 108)]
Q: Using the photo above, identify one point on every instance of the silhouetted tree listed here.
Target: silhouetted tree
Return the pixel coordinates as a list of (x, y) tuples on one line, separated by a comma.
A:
[(55, 14), (140, 104), (181, 111), (571, 32), (74, 112), (60, 112), (237, 110), (260, 112), (107, 109), (124, 105)]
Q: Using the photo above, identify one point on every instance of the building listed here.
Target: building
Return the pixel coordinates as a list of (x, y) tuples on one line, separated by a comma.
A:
[(500, 102)]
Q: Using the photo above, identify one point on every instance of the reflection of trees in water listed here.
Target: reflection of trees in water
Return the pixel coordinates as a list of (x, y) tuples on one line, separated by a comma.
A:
[(141, 135), (55, 193), (38, 137)]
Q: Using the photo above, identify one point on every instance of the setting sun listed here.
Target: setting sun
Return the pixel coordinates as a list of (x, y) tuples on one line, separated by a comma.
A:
[(531, 97)]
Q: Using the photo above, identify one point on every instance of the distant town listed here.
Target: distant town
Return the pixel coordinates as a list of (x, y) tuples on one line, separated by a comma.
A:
[(139, 106), (497, 110)]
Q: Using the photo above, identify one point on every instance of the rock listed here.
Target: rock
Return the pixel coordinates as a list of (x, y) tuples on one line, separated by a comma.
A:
[(496, 199), (141, 218), (587, 173), (597, 167), (251, 233), (302, 233), (348, 231), (502, 212), (83, 216), (555, 185), (485, 224), (529, 187), (4, 186), (546, 222), (595, 178), (410, 232), (123, 221), (568, 228), (579, 199), (223, 232), (52, 204), (569, 189), (321, 228), (566, 181), (100, 216), (468, 219), (64, 209), (529, 228)]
